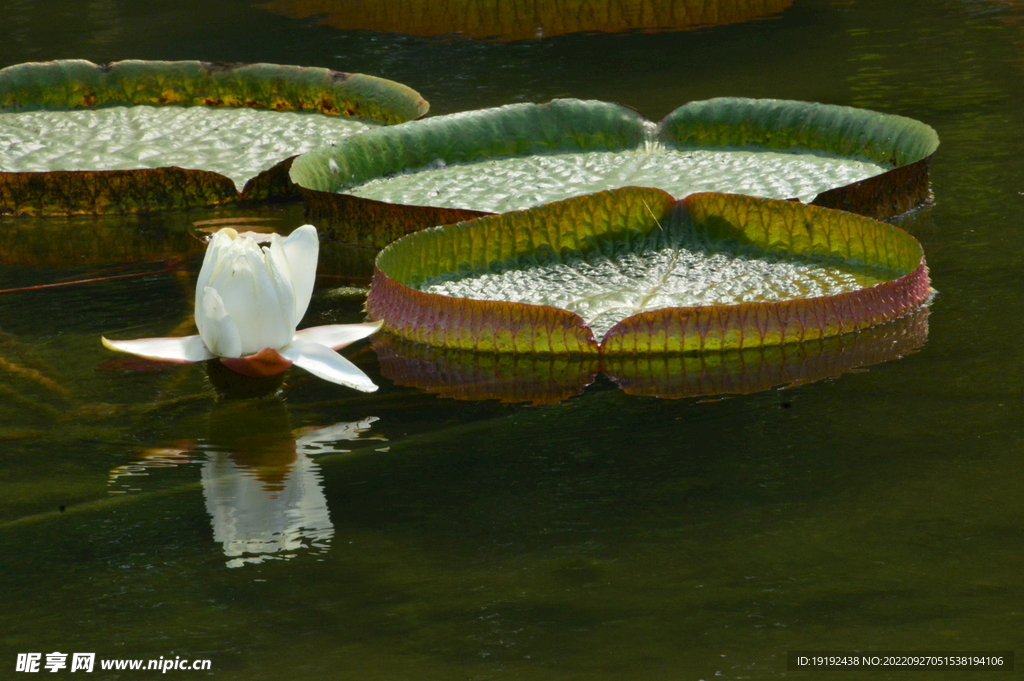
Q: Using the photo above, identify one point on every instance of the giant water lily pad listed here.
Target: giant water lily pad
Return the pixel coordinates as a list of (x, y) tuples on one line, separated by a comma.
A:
[(632, 270), (375, 187), (518, 19), (137, 136), (549, 379)]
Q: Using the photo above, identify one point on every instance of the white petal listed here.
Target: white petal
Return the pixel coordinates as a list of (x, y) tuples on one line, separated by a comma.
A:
[(251, 300), (280, 274), (301, 249), (219, 333), (337, 336), (325, 363), (274, 303), (183, 349), (219, 245)]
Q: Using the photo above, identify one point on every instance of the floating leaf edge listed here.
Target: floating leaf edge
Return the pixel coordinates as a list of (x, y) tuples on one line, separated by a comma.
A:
[(630, 216), (76, 84), (572, 125)]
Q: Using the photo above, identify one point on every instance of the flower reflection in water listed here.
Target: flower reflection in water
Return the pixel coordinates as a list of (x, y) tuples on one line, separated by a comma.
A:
[(262, 487), (254, 519), (265, 494)]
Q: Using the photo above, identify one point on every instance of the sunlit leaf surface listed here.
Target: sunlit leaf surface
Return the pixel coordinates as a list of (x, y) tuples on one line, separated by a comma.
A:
[(136, 136), (605, 538), (678, 268), (237, 143), (508, 184), (633, 271), (521, 155)]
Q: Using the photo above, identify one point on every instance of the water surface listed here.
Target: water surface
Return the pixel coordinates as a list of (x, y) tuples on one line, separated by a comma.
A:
[(607, 537)]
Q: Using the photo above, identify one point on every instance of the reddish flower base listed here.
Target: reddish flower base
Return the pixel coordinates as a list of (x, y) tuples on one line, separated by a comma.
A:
[(266, 362)]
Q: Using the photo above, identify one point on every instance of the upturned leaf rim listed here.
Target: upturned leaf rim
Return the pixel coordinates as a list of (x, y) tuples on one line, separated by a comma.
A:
[(572, 125), (77, 84), (632, 213)]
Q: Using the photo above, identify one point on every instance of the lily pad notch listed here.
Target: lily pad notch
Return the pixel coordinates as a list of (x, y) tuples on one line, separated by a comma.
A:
[(331, 178), (77, 85), (632, 221)]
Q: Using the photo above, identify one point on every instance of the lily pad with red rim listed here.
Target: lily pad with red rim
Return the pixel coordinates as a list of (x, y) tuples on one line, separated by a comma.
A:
[(373, 188), (633, 271), (139, 136)]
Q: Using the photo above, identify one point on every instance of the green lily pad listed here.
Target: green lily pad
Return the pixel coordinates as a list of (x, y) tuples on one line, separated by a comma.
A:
[(375, 187), (549, 379), (519, 19), (633, 270), (519, 182), (136, 136)]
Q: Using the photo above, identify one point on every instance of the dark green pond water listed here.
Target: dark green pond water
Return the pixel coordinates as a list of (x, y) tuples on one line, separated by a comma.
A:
[(607, 537)]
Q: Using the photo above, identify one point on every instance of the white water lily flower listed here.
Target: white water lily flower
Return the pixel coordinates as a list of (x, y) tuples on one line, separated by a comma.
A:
[(248, 302)]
